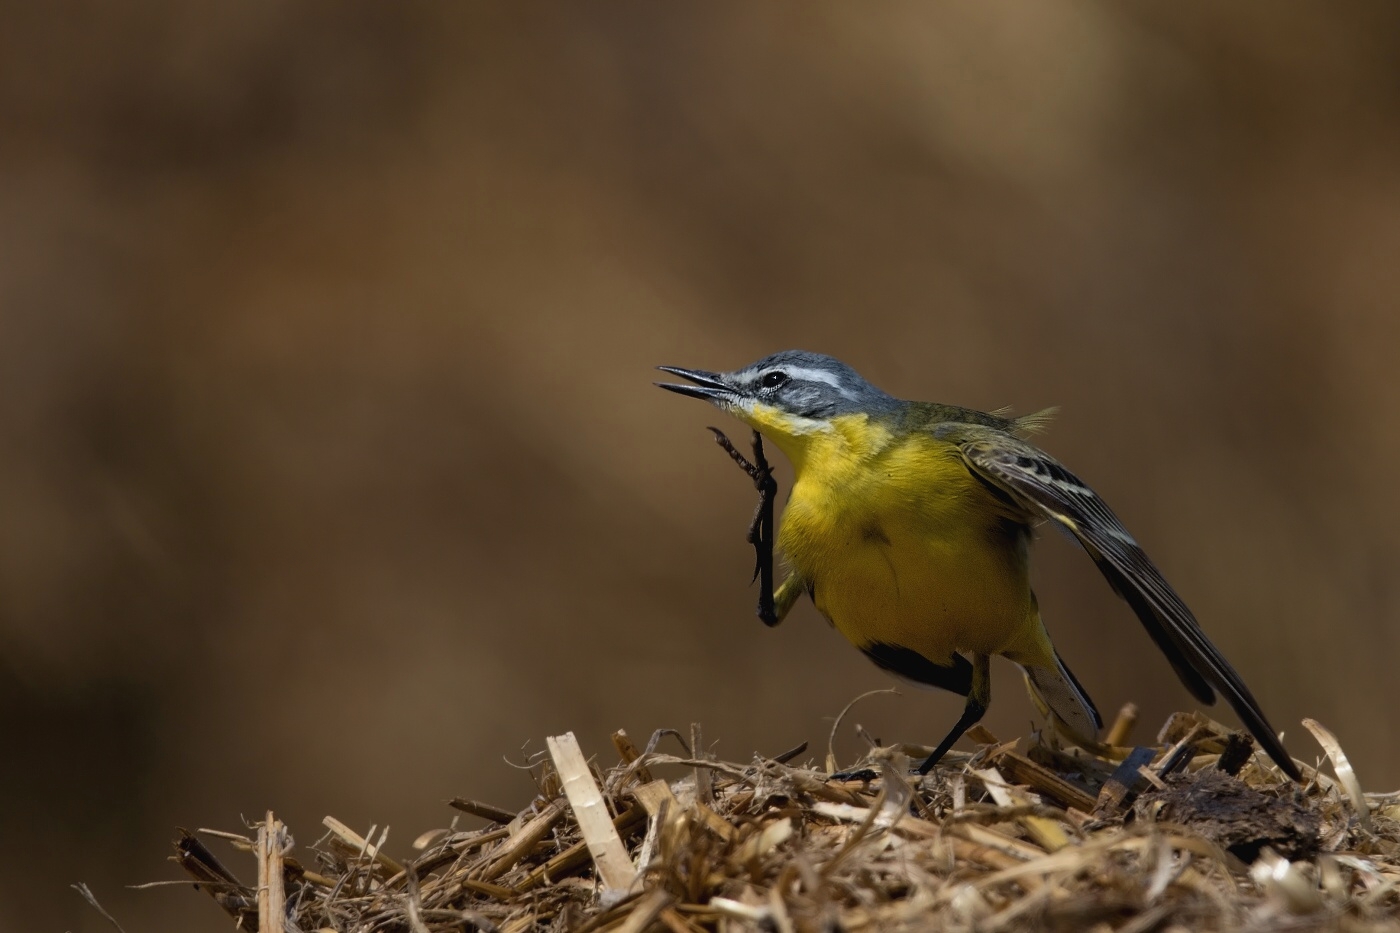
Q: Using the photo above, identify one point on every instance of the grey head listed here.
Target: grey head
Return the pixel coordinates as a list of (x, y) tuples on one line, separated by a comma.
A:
[(808, 385)]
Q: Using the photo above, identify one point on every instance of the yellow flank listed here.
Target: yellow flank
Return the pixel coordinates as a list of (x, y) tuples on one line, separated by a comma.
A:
[(900, 544)]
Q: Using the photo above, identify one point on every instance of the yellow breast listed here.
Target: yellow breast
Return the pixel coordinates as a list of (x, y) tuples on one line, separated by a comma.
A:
[(900, 544)]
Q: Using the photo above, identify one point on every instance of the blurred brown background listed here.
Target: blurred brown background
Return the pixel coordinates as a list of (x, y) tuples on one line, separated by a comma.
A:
[(331, 473)]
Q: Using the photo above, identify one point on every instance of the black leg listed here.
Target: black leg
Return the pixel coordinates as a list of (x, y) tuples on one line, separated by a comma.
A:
[(971, 679), (977, 700), (761, 528), (972, 713)]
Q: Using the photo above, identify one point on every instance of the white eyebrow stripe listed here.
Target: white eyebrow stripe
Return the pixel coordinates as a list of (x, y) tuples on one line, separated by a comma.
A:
[(818, 375)]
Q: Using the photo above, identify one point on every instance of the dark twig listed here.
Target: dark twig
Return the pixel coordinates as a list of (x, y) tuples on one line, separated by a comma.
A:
[(790, 754), (1238, 749)]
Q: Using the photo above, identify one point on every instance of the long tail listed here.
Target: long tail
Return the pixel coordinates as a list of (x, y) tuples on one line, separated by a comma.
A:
[(1056, 692)]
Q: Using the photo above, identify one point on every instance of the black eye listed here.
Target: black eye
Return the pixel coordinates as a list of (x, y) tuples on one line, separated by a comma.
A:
[(774, 379)]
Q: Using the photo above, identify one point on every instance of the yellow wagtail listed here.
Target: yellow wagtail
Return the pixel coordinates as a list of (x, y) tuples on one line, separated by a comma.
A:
[(908, 525)]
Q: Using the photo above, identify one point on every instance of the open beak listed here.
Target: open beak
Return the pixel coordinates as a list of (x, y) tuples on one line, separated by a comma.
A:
[(709, 386)]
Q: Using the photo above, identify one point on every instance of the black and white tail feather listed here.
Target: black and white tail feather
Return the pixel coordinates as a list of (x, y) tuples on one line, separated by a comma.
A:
[(1061, 695)]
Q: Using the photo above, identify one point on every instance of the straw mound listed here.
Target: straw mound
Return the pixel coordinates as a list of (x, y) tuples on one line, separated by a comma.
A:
[(1008, 838)]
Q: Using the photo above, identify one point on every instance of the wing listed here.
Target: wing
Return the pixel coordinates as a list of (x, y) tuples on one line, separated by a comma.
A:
[(1042, 487)]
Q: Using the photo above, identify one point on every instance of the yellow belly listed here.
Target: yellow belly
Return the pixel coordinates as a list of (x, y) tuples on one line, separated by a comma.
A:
[(911, 550)]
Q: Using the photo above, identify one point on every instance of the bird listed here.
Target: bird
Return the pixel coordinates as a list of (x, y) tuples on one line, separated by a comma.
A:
[(909, 526)]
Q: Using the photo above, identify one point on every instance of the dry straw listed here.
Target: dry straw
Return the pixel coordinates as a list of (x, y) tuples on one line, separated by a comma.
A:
[(1193, 833)]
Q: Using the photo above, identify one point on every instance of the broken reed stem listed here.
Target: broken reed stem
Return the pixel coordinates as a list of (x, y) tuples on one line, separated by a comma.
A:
[(366, 848), (272, 895), (628, 753), (591, 812), (1122, 727), (521, 843), (483, 810), (703, 783), (647, 911)]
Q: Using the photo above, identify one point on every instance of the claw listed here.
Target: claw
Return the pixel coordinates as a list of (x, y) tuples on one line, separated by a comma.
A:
[(760, 533)]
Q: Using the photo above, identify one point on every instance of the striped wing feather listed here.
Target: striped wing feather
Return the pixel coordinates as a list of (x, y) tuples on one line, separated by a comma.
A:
[(1044, 488)]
